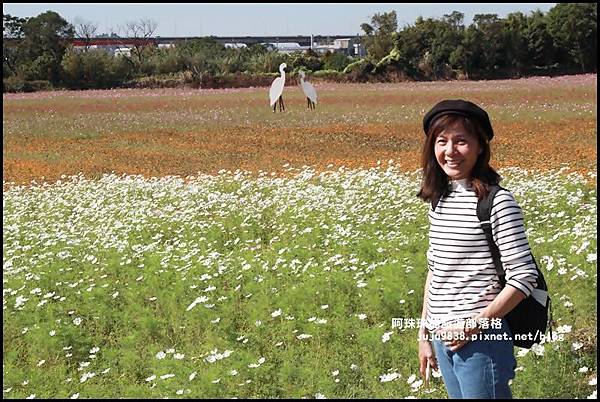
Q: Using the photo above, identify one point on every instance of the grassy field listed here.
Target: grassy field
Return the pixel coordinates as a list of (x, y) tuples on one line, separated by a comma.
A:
[(278, 281), (540, 123)]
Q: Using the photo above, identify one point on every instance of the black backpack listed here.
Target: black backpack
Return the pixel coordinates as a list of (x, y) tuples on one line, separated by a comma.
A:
[(529, 319)]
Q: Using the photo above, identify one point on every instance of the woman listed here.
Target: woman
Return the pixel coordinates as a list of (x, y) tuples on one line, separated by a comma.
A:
[(463, 300)]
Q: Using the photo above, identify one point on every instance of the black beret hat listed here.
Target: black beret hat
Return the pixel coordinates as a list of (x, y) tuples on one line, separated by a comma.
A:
[(460, 107)]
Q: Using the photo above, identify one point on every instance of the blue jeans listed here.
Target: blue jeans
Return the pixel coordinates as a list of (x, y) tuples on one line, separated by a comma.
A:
[(481, 368)]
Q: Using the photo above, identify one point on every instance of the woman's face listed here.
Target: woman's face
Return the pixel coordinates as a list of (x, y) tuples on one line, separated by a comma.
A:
[(456, 151)]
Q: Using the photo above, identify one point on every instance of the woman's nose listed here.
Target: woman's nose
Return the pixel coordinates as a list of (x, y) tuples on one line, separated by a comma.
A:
[(450, 148)]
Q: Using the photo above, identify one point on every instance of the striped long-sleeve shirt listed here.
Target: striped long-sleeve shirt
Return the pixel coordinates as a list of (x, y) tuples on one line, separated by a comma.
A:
[(464, 278)]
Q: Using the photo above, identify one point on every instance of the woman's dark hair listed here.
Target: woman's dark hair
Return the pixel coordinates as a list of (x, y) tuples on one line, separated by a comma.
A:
[(435, 181)]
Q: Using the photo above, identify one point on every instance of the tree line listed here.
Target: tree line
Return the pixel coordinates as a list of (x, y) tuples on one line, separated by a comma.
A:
[(38, 52)]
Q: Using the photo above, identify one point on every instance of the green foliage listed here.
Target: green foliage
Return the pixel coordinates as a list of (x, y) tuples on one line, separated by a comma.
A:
[(17, 84), (573, 26), (541, 49), (167, 61), (44, 42), (561, 41), (335, 61), (517, 50), (94, 69), (359, 70), (379, 39), (305, 61)]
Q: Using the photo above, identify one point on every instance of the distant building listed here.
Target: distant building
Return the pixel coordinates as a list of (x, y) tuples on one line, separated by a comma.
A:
[(114, 46), (286, 47), (122, 51), (348, 45)]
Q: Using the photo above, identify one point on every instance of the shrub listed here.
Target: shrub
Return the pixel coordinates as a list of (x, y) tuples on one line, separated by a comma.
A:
[(17, 84)]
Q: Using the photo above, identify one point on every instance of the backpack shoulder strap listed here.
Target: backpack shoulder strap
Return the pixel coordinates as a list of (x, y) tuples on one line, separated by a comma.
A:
[(435, 201), (484, 212)]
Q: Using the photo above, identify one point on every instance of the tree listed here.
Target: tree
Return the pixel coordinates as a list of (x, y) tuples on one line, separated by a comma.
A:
[(305, 61), (85, 30), (335, 61), (573, 27), (424, 50), (540, 45), (517, 50), (45, 39), (488, 31), (12, 29), (379, 40), (202, 57), (142, 31)]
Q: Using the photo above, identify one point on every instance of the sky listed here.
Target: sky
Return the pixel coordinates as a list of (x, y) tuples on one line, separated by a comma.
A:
[(258, 19)]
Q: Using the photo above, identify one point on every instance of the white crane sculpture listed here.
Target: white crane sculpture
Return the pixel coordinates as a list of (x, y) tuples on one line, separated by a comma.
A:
[(276, 91), (309, 91)]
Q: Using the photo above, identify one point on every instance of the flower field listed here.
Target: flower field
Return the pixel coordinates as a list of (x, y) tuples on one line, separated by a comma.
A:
[(192, 244), (540, 123)]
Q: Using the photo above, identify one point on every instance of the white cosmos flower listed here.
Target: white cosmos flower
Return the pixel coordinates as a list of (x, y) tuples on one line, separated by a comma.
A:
[(201, 299), (416, 384), (161, 355), (86, 376), (386, 336), (276, 313), (304, 336), (537, 349), (389, 377), (564, 329)]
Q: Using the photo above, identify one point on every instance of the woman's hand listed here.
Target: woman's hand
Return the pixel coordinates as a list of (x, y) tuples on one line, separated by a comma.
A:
[(456, 335), (426, 353)]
